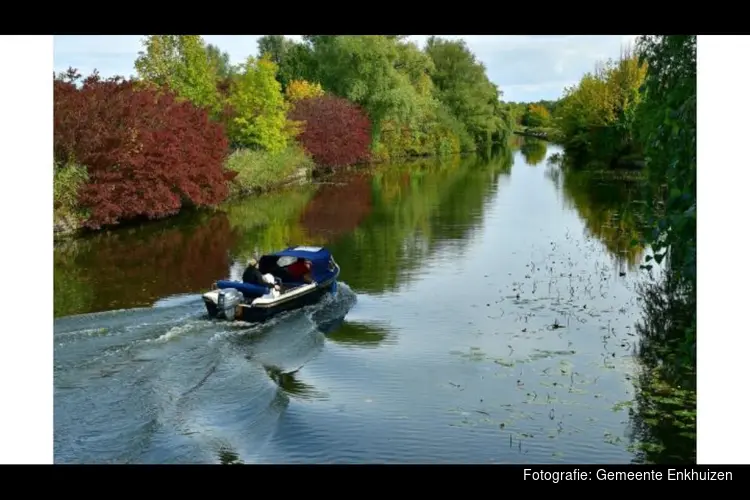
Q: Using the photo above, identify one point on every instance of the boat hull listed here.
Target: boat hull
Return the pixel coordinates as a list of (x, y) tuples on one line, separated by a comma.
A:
[(260, 310), (255, 314)]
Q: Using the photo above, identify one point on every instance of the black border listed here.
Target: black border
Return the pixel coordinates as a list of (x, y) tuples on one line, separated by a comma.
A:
[(514, 18), (363, 479)]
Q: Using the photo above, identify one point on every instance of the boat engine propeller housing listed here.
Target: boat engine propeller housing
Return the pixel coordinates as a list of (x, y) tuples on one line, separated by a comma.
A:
[(228, 302)]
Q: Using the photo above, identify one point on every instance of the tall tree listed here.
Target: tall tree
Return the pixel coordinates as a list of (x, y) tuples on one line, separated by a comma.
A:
[(219, 61), (258, 109), (362, 69), (274, 47), (293, 60), (668, 127), (181, 63), (465, 89)]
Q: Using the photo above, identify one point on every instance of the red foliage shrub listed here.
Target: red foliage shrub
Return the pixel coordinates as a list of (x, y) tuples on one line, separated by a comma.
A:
[(146, 153), (336, 132)]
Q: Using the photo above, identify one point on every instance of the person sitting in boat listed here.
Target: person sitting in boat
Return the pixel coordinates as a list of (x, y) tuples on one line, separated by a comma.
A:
[(253, 276), (301, 270)]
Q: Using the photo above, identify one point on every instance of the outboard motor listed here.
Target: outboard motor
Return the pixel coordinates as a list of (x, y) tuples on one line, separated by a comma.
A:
[(228, 302)]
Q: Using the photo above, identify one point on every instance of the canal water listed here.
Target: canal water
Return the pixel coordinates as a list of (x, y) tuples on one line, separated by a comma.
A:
[(486, 313)]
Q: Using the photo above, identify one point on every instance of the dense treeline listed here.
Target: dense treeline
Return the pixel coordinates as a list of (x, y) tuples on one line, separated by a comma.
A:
[(532, 114), (534, 119), (420, 102), (192, 128), (597, 117)]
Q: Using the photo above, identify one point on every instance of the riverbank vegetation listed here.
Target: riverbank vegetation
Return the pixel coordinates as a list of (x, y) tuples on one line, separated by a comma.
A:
[(665, 129), (635, 117), (597, 117), (535, 119), (644, 105), (639, 113), (191, 129)]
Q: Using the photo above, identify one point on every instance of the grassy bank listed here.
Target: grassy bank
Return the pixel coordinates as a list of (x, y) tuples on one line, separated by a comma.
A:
[(68, 214), (261, 171)]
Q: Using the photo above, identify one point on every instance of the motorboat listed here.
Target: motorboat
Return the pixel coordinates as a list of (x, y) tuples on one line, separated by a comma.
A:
[(236, 300)]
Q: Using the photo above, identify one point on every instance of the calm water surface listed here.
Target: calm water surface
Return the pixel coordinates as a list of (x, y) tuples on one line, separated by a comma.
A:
[(486, 314)]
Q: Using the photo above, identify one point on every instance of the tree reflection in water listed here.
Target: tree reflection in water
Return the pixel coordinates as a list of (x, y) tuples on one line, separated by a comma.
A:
[(534, 150), (134, 267), (663, 412), (610, 205), (229, 457), (663, 417), (292, 386), (339, 206)]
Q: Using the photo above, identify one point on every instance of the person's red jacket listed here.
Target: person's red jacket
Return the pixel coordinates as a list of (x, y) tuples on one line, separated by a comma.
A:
[(297, 270)]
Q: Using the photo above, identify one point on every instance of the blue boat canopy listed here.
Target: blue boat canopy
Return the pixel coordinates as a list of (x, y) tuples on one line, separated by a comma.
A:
[(314, 254), (321, 259), (323, 269)]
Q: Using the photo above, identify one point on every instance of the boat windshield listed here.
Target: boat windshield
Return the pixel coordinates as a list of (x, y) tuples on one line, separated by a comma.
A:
[(285, 261)]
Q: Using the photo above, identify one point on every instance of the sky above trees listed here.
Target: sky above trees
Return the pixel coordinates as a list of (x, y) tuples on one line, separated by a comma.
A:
[(525, 67)]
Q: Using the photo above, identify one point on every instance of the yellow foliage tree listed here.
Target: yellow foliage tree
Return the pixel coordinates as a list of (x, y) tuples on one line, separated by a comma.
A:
[(597, 115), (302, 89), (538, 116), (601, 97), (259, 110), (625, 80)]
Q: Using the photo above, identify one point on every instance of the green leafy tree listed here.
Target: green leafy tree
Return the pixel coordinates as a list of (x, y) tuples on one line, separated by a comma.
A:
[(463, 86), (219, 61), (294, 61), (181, 63), (381, 74), (596, 117), (667, 128), (415, 129), (361, 68), (274, 47), (517, 113)]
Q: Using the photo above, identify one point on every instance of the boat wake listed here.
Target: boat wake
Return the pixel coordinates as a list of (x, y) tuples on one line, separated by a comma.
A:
[(168, 384)]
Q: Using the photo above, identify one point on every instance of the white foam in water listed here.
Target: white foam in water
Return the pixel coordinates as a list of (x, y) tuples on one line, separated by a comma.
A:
[(84, 331), (173, 332), (177, 300)]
